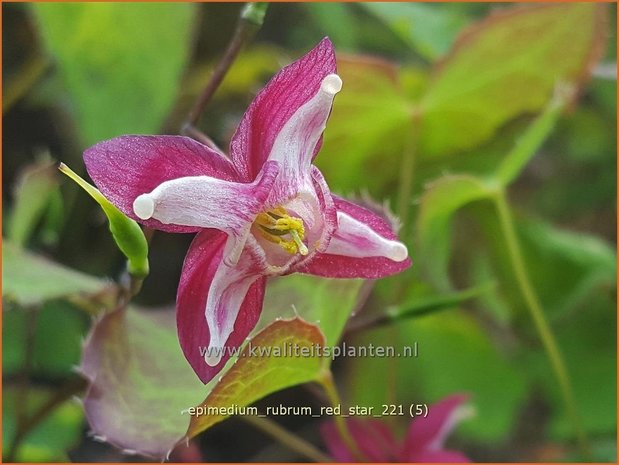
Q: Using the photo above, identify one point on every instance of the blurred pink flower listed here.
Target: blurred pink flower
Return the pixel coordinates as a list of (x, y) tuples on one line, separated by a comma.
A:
[(265, 211), (423, 441)]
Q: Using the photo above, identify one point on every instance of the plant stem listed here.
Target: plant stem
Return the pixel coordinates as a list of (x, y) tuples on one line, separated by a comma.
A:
[(541, 324), (340, 422), (407, 169), (286, 438), (249, 23)]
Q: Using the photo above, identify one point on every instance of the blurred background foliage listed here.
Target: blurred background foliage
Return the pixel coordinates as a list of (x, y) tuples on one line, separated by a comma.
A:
[(427, 116)]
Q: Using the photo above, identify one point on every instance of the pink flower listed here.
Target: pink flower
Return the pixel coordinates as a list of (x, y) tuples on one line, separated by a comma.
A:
[(265, 211), (423, 441)]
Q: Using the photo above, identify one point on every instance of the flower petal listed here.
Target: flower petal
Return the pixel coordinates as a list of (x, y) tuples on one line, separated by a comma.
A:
[(373, 438), (288, 91), (125, 167), (217, 305), (294, 146), (208, 202), (429, 433), (364, 245)]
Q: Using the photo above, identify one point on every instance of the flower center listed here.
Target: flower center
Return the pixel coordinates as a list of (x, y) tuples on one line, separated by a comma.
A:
[(279, 227)]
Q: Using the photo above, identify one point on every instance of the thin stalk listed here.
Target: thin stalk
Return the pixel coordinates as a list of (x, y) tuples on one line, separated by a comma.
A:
[(407, 169), (286, 438), (539, 319), (250, 21), (326, 381), (407, 173)]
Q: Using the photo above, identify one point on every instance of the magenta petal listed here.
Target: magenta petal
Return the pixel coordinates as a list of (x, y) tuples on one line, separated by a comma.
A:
[(429, 433), (335, 444), (373, 438), (128, 166), (287, 91), (332, 264), (199, 269)]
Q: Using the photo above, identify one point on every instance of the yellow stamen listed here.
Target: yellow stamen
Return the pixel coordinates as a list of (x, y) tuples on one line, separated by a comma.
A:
[(276, 223), (300, 245)]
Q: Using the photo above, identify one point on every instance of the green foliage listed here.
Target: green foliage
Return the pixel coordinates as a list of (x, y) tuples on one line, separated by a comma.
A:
[(328, 303), (529, 143), (570, 268), (439, 203), (138, 372), (29, 279), (590, 353), (428, 29), (337, 21), (470, 108), (131, 53), (369, 116), (425, 305), (140, 381), (33, 193), (52, 437), (507, 65), (56, 348), (455, 355), (253, 377)]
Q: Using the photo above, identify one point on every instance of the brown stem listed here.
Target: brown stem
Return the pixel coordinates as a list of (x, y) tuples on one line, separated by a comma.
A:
[(246, 27)]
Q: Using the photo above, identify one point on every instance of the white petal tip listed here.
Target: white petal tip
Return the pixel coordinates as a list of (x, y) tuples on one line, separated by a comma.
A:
[(212, 357), (398, 252), (144, 207), (331, 84)]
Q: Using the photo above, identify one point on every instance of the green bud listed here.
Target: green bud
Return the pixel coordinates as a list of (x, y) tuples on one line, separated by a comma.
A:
[(126, 232), (254, 12)]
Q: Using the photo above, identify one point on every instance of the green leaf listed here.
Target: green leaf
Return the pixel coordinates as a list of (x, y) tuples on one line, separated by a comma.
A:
[(588, 342), (29, 279), (439, 203), (506, 65), (456, 354), (127, 233), (121, 62), (370, 116), (50, 439), (337, 21), (254, 376), (312, 299), (429, 28), (528, 144), (34, 189), (141, 383), (569, 267), (59, 330)]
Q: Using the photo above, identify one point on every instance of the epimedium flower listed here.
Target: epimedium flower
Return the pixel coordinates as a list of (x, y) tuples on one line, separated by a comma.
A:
[(264, 211), (423, 442)]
